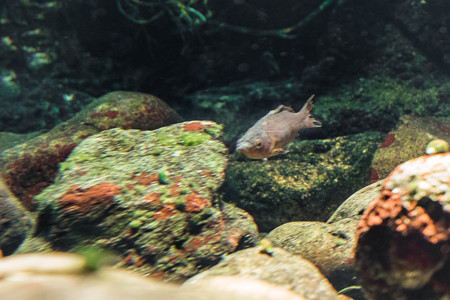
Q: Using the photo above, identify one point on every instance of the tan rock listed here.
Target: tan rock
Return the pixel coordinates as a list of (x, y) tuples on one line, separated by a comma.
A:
[(291, 272)]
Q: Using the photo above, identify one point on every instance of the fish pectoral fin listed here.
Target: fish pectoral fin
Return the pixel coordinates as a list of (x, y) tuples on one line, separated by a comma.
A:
[(278, 151)]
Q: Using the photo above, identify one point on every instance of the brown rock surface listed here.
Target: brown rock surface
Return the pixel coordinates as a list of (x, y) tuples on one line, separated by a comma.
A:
[(403, 237)]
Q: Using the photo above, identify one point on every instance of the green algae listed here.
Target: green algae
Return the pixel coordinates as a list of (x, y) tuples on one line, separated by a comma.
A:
[(135, 223), (163, 178), (191, 138), (214, 131), (437, 146), (156, 151), (166, 139), (66, 165)]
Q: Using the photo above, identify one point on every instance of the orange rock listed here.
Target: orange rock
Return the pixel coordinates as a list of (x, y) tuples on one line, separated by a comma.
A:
[(83, 201)]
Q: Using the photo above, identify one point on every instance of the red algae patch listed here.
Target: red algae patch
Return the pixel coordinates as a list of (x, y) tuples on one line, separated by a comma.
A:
[(152, 199), (166, 212), (193, 126), (389, 140), (145, 179), (83, 201), (195, 203)]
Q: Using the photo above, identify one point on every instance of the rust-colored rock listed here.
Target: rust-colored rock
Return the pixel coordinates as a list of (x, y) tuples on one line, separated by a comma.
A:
[(403, 237), (84, 201), (30, 167)]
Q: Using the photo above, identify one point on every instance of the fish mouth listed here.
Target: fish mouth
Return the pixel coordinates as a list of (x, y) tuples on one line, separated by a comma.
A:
[(242, 148)]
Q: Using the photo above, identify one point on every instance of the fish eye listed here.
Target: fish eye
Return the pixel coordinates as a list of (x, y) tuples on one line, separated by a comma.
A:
[(258, 144)]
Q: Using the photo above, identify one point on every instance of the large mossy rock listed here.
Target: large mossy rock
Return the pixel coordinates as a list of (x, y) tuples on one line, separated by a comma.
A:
[(308, 183), (150, 195), (407, 141), (29, 167)]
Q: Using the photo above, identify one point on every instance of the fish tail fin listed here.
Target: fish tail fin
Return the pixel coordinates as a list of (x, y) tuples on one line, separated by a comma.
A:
[(305, 113)]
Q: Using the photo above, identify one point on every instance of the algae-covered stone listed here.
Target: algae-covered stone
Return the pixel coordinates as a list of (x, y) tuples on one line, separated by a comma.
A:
[(308, 183), (159, 210), (407, 141), (31, 166)]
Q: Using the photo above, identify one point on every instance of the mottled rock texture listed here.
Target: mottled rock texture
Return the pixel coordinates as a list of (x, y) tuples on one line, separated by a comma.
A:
[(403, 237), (30, 167), (151, 196), (406, 142)]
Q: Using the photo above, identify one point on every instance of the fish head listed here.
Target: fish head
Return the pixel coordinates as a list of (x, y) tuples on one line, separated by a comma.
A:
[(254, 146)]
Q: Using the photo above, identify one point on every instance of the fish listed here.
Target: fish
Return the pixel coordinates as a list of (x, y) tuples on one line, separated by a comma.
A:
[(273, 132)]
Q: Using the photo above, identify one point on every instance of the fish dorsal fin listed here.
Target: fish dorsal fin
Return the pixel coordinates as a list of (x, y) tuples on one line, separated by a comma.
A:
[(281, 108)]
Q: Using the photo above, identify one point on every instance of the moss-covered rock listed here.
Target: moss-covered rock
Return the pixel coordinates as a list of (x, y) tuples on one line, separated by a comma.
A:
[(157, 208), (31, 166), (308, 183), (407, 141)]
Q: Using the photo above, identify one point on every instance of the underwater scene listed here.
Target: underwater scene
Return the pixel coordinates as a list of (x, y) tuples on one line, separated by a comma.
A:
[(226, 150)]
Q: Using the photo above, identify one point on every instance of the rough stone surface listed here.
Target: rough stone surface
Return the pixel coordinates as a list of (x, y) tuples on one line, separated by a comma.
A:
[(30, 167), (328, 246), (151, 195), (308, 183), (277, 267), (354, 206), (63, 276), (15, 223), (403, 237), (406, 142)]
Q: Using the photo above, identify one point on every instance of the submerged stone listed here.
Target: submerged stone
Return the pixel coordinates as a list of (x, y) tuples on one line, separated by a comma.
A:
[(407, 141), (403, 236), (31, 166), (306, 184), (160, 212)]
